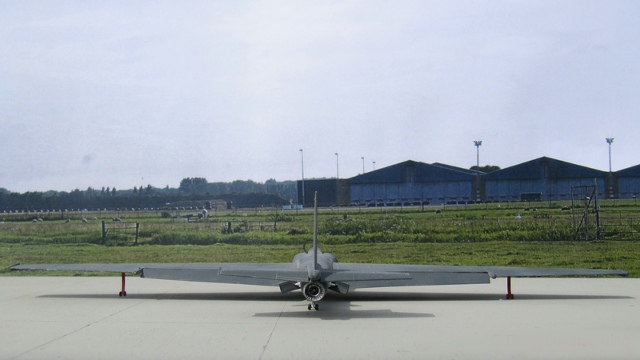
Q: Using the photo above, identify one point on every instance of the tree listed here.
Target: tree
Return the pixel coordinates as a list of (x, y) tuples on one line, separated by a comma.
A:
[(193, 185)]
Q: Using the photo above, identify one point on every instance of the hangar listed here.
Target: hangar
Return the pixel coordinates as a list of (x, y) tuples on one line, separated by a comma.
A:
[(541, 179), (331, 192), (629, 182), (413, 183)]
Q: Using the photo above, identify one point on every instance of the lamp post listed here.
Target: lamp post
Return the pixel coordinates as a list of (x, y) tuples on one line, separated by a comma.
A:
[(609, 141), (302, 161), (610, 176), (374, 165), (337, 167), (362, 164), (477, 143)]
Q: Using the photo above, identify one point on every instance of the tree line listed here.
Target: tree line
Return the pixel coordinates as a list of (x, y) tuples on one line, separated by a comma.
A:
[(239, 193)]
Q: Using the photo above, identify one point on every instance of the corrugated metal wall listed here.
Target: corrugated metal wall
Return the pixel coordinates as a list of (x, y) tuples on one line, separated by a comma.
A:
[(550, 189), (413, 182), (365, 194), (629, 182)]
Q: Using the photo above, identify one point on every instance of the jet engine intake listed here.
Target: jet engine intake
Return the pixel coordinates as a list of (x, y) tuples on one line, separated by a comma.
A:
[(313, 291)]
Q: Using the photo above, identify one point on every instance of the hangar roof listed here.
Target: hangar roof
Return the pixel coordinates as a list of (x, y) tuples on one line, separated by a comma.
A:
[(413, 171), (633, 171), (455, 168), (544, 168)]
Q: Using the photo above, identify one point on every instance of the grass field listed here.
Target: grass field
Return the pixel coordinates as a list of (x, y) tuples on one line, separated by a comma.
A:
[(515, 234)]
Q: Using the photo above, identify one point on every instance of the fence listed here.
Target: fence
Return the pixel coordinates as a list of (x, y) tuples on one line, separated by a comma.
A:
[(120, 231), (620, 225)]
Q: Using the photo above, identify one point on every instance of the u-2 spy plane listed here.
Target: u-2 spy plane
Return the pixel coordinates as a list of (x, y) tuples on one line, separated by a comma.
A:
[(315, 272)]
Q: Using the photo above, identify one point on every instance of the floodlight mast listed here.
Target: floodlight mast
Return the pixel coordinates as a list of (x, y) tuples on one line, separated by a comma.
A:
[(302, 160), (609, 141), (477, 143)]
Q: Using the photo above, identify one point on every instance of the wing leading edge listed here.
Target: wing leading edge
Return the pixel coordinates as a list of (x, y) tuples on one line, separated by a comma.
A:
[(200, 272), (355, 275)]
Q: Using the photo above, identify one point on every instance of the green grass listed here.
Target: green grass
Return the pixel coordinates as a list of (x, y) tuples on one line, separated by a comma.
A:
[(482, 234)]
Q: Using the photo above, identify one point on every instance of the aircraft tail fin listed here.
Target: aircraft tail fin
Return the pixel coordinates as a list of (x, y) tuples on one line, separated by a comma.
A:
[(315, 230)]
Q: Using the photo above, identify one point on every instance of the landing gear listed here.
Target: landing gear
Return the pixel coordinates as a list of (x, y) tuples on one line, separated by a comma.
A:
[(509, 293), (313, 306), (123, 292)]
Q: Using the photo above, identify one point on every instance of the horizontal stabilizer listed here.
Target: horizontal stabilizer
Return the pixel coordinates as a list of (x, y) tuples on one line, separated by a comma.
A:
[(288, 286), (341, 287)]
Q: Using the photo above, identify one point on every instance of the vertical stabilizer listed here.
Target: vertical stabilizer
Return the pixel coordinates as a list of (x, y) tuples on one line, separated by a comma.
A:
[(315, 230)]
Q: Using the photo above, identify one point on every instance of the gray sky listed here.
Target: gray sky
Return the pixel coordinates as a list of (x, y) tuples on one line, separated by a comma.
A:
[(130, 93)]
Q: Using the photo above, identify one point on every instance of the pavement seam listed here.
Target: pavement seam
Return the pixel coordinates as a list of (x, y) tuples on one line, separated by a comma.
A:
[(76, 330), (264, 347)]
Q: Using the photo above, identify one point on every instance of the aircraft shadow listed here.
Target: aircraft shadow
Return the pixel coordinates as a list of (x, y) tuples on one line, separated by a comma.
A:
[(337, 306), (226, 296), (345, 311), (414, 296), (333, 298)]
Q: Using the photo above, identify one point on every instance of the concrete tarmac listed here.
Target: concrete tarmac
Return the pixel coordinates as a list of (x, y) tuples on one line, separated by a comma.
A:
[(83, 318)]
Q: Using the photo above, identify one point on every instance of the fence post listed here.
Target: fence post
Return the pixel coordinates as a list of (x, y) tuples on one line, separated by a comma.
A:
[(137, 231), (104, 231)]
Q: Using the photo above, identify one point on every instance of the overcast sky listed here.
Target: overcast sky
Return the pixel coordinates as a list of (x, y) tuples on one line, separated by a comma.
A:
[(130, 93)]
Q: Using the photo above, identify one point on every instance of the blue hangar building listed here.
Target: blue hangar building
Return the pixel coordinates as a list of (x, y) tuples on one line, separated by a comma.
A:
[(414, 183)]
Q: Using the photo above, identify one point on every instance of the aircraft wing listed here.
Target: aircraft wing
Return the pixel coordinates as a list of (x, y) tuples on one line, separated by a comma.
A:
[(451, 275), (354, 274), (268, 274)]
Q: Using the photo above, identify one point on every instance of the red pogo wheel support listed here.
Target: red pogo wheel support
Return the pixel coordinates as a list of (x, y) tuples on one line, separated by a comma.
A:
[(123, 292), (509, 293)]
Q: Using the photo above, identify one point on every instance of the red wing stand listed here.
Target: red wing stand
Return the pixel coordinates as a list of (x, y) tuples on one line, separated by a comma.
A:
[(123, 292), (509, 293)]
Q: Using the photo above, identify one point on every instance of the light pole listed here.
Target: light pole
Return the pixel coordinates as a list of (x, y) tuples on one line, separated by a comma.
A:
[(337, 167), (374, 165), (477, 143), (609, 141), (302, 160), (362, 164)]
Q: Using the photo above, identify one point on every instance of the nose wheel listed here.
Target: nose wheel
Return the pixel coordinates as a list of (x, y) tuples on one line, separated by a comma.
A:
[(313, 306)]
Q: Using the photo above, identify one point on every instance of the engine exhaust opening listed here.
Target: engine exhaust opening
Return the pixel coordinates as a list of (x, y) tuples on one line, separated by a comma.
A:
[(314, 291)]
